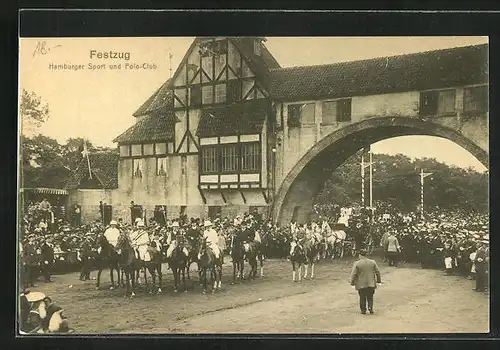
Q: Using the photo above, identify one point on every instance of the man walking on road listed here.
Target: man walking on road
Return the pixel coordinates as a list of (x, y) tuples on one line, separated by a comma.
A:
[(365, 276)]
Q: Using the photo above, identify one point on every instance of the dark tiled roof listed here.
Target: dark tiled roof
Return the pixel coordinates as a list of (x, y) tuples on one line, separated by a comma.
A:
[(243, 118), (419, 71), (104, 167), (161, 99), (158, 126), (259, 64)]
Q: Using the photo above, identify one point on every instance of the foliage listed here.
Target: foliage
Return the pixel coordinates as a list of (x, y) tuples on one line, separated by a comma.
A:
[(396, 181), (46, 163), (32, 110)]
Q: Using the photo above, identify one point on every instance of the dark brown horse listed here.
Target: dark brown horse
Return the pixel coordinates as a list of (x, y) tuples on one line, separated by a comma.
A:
[(129, 263), (106, 257), (178, 263), (238, 256), (208, 262), (154, 268), (297, 258)]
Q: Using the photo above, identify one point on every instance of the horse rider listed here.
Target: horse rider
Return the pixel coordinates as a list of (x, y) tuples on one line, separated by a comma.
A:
[(112, 233), (172, 241), (297, 238), (212, 238), (140, 242)]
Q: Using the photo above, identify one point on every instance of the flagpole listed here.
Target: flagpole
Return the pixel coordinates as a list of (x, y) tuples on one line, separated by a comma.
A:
[(86, 151)]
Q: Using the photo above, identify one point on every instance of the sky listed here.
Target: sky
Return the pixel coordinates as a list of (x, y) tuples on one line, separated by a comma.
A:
[(99, 104)]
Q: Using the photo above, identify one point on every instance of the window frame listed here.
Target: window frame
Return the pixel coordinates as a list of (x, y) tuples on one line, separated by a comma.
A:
[(224, 100), (235, 156), (341, 117), (485, 108), (140, 161), (156, 168), (197, 103), (436, 94), (294, 120), (216, 160), (258, 160), (207, 88)]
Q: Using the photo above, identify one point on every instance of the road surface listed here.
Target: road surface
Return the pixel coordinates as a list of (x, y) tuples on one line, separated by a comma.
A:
[(410, 300)]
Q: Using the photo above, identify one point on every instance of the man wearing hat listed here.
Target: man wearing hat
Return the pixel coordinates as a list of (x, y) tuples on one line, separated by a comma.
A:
[(140, 242), (172, 240), (112, 233), (47, 255), (481, 263), (212, 238), (365, 276)]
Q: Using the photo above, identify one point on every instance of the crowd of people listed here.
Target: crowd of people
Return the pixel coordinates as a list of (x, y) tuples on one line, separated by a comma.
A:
[(452, 240)]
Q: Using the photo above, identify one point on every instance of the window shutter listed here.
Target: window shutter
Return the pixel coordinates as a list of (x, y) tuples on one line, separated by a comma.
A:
[(428, 103)]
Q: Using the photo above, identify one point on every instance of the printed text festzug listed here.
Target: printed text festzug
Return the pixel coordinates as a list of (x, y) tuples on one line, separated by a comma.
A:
[(94, 54)]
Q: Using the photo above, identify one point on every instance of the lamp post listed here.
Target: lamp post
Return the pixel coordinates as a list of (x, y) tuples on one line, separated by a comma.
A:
[(423, 175)]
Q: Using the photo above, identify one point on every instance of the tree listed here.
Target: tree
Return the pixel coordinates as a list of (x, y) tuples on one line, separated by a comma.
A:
[(33, 112)]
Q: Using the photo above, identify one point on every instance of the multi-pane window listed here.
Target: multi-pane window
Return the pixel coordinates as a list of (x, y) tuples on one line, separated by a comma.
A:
[(136, 167), (208, 94), (125, 151), (233, 90), (446, 102), (476, 99), (207, 65), (294, 115), (209, 160), (195, 96), (344, 110), (161, 166), (161, 148), (329, 115), (302, 113), (437, 102), (229, 158), (148, 149), (136, 150), (250, 156), (220, 93)]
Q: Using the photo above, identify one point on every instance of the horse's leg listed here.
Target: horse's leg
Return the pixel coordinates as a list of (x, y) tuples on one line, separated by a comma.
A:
[(203, 274), (261, 266), (145, 272), (306, 266), (312, 270), (300, 272), (133, 285), (99, 271), (219, 270), (184, 279), (214, 279), (160, 277), (128, 284), (293, 270), (188, 267), (235, 266)]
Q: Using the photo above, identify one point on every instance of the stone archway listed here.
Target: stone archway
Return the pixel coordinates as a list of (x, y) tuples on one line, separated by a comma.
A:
[(306, 178)]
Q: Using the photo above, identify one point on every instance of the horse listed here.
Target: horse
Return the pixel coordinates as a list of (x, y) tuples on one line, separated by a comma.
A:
[(238, 256), (208, 262), (253, 252), (311, 250), (297, 258), (153, 265), (178, 263), (192, 245), (106, 257), (129, 263)]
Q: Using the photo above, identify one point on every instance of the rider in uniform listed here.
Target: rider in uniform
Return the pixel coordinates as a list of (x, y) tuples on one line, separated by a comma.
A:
[(173, 239), (140, 242), (112, 233), (212, 238)]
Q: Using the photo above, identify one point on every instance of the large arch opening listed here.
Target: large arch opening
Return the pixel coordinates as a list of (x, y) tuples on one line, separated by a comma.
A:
[(294, 198)]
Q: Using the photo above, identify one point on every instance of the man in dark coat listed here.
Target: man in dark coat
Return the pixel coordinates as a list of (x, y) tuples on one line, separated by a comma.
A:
[(30, 261), (481, 267), (47, 259), (365, 276), (85, 255)]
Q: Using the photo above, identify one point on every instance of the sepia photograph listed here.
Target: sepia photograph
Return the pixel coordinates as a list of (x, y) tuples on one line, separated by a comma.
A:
[(253, 185)]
